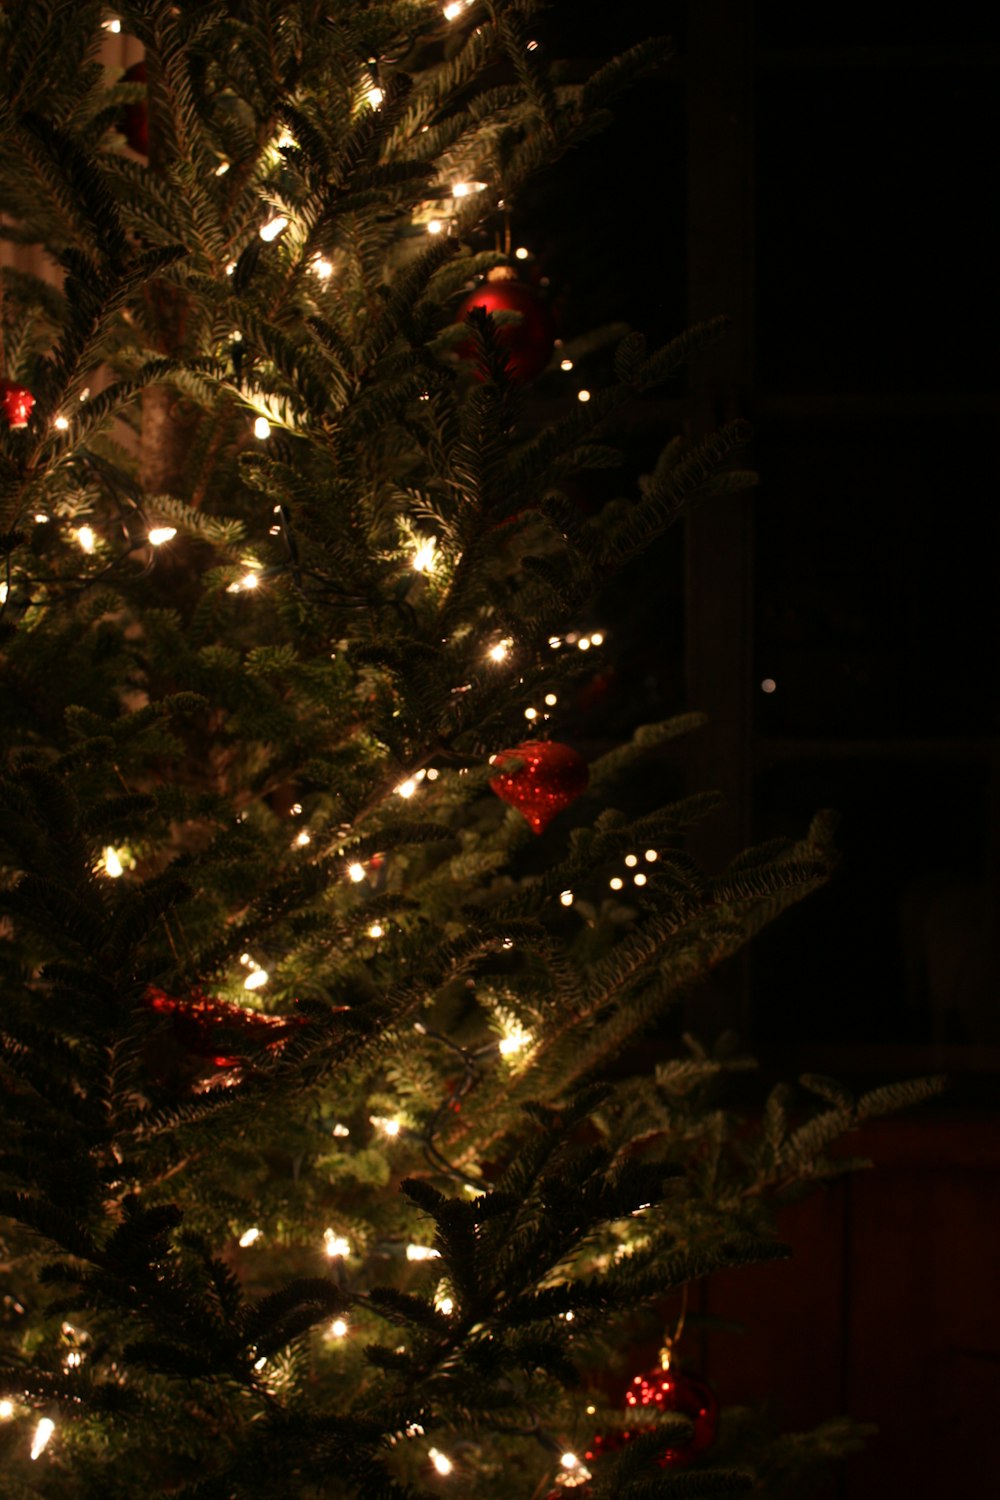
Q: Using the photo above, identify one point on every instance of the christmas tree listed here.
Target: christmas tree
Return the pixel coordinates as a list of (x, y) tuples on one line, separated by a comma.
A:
[(334, 1163)]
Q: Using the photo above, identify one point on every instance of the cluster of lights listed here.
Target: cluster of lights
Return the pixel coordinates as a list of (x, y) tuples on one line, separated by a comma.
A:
[(639, 878), (581, 642), (340, 1130), (257, 976), (250, 579), (386, 1125), (406, 788)]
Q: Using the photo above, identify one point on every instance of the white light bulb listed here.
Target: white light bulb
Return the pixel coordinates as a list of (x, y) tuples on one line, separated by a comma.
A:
[(652, 855), (340, 1130), (454, 10), (631, 860), (273, 228), (375, 96), (262, 428), (259, 1364), (160, 534), (555, 641), (566, 898), (322, 267), (286, 139), (388, 1127), (441, 1462), (434, 226), (406, 788), (40, 520), (222, 169), (583, 395), (302, 839), (531, 713), (514, 1039), (335, 1245), (376, 930), (338, 1328), (356, 872), (616, 882), (248, 1238), (61, 423), (6, 1410), (565, 364), (255, 980), (639, 879), (112, 863), (230, 268), (596, 638), (422, 1252), (569, 1460), (114, 26), (500, 651), (86, 538), (43, 1432), (551, 700), (584, 643)]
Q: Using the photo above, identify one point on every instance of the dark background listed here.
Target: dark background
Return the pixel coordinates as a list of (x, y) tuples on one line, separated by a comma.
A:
[(826, 178)]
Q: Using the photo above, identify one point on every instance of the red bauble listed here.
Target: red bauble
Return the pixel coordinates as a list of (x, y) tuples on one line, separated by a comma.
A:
[(16, 402), (527, 344), (218, 1031), (549, 778), (135, 117), (668, 1391)]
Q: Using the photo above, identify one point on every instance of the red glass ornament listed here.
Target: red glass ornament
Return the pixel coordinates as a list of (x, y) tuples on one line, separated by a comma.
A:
[(16, 402), (668, 1391), (218, 1031), (549, 778), (135, 117), (528, 344)]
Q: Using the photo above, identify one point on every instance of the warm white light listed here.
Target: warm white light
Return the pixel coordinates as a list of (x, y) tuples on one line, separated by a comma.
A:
[(422, 1252), (6, 1410), (230, 268), (455, 9), (4, 591), (616, 882), (112, 863), (465, 189), (286, 140), (262, 428), (521, 253), (73, 1360), (376, 930), (591, 1411), (161, 534), (583, 395), (255, 980), (375, 96), (569, 1460), (596, 638), (566, 898), (302, 839), (441, 1462), (335, 1245), (249, 581), (631, 860), (768, 685), (248, 1237), (86, 538), (500, 650), (433, 774), (356, 872), (39, 519), (273, 228), (386, 1126), (514, 1039), (43, 1432), (425, 557), (532, 47), (222, 169), (114, 26), (639, 879), (555, 641), (322, 267), (531, 713), (652, 855), (340, 1130), (61, 423), (406, 788), (584, 643), (565, 364), (338, 1328), (259, 1364), (434, 226), (444, 1303)]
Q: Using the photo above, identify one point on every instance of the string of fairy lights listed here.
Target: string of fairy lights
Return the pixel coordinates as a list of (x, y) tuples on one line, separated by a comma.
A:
[(147, 535)]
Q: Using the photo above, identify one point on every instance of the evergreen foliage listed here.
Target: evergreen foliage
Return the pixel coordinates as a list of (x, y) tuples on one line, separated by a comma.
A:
[(247, 765)]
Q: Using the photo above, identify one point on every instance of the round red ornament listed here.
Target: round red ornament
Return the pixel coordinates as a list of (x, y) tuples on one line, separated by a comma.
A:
[(135, 117), (16, 402), (668, 1391), (527, 344), (550, 777)]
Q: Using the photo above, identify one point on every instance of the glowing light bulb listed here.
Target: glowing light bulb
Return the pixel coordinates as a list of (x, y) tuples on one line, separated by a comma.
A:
[(521, 253), (514, 1039), (259, 1364), (425, 555), (160, 534), (584, 643), (114, 26), (375, 96), (434, 226), (388, 1127), (406, 788), (39, 519), (500, 651), (566, 898), (286, 140), (422, 1252), (43, 1432), (85, 537), (255, 980), (61, 423), (639, 879), (222, 169), (273, 228), (531, 713), (616, 882), (340, 1130), (112, 862), (302, 839), (651, 855), (441, 1461), (433, 774), (555, 641), (335, 1245), (444, 1303), (454, 10), (322, 267), (376, 930), (583, 395), (338, 1328), (596, 638), (248, 1237), (631, 860), (565, 364), (6, 1410), (356, 872), (230, 268), (551, 700), (262, 428), (569, 1460)]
